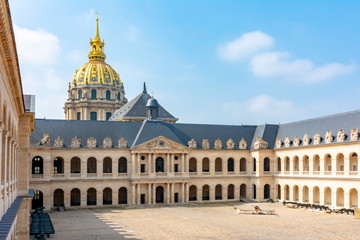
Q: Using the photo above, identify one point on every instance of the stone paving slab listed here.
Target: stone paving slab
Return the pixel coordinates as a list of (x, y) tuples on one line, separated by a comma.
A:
[(206, 222)]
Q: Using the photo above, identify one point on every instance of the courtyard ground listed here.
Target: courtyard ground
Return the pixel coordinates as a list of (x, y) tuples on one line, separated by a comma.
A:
[(202, 222)]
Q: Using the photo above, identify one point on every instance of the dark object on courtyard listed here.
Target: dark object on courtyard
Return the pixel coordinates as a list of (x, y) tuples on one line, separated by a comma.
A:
[(41, 225), (270, 200)]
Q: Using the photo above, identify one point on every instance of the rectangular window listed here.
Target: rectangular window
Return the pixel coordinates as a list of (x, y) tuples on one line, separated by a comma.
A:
[(108, 115), (176, 166), (142, 168), (93, 116), (78, 115)]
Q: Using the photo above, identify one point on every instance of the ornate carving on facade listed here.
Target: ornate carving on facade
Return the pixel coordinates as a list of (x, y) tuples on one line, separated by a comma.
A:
[(123, 143), (328, 137), (58, 142), (317, 139), (45, 140), (205, 144), (306, 140), (296, 141), (287, 142), (160, 143), (354, 134), (107, 142), (340, 137), (192, 144), (91, 142), (242, 144), (230, 144), (75, 142), (278, 143), (260, 143), (218, 144)]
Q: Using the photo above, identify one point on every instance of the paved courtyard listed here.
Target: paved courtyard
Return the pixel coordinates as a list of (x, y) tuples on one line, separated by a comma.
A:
[(209, 221)]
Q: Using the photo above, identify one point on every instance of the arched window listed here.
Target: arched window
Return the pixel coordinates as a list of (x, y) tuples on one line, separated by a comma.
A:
[(192, 165), (279, 164), (296, 193), (192, 193), (159, 194), (266, 191), (231, 190), (206, 192), (108, 95), (107, 165), (123, 195), (118, 96), (91, 196), (205, 165), (58, 165), (254, 164), (91, 165), (107, 196), (218, 192), (287, 164), (230, 165), (243, 192), (122, 165), (37, 165), (93, 94), (79, 94), (75, 165), (218, 165), (58, 197), (266, 164), (254, 191), (159, 164), (75, 197), (37, 200), (242, 165)]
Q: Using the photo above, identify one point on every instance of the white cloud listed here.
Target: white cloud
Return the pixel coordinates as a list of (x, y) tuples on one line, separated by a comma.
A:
[(245, 46), (37, 47), (280, 64)]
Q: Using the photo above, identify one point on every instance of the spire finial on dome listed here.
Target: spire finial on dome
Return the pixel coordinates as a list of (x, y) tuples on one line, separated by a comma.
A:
[(144, 89), (97, 35), (96, 45)]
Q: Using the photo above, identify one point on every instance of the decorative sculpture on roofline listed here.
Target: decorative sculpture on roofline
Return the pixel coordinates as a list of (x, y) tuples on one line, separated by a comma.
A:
[(58, 142), (354, 134), (242, 144), (260, 143), (296, 141), (91, 142), (192, 144), (75, 142), (340, 137), (45, 140), (123, 143), (205, 144), (218, 144), (107, 142), (317, 139), (306, 140), (230, 144), (328, 137), (287, 142), (278, 143)]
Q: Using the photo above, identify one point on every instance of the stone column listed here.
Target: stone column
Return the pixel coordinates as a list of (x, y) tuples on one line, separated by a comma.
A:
[(115, 197), (171, 162), (198, 194), (182, 162), (67, 199), (211, 193), (99, 167), (149, 162), (83, 167), (186, 163), (333, 165), (83, 198), (347, 167), (224, 166), (183, 193), (322, 166), (322, 197), (333, 197), (282, 191), (301, 165), (311, 166), (168, 193), (154, 193), (237, 192), (311, 196), (99, 197), (168, 168), (149, 193), (115, 166), (346, 200), (172, 193), (224, 192), (138, 193), (282, 166), (133, 194), (67, 168), (187, 192)]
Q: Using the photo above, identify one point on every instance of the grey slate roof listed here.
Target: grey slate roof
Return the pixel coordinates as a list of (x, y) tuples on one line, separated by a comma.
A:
[(136, 108), (140, 132)]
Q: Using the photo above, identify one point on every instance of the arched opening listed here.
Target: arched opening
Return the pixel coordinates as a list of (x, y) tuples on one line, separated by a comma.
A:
[(305, 194), (218, 165), (107, 196), (278, 192), (340, 162), (242, 165), (340, 197), (254, 164), (79, 94), (354, 198), (58, 166), (122, 167), (327, 160), (316, 195), (91, 165), (287, 192), (266, 164), (287, 164), (91, 196), (37, 165), (123, 195), (266, 191), (206, 192), (243, 192), (230, 165), (118, 96), (205, 165), (108, 95), (58, 197), (38, 200), (296, 164), (306, 163), (327, 196), (159, 164), (192, 165), (75, 166), (218, 192), (231, 191), (93, 94), (316, 163), (278, 161), (296, 193), (192, 193), (107, 165), (75, 197), (254, 191), (353, 162)]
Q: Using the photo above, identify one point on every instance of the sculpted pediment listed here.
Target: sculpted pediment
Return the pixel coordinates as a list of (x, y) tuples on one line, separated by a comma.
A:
[(160, 143)]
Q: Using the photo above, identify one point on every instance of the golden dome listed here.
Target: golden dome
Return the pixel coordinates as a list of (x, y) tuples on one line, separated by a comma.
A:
[(96, 71)]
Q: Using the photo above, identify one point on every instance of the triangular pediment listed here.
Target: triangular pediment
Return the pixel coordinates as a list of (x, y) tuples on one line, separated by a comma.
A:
[(160, 143)]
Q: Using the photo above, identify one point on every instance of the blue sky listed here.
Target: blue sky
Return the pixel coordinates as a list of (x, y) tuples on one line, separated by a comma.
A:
[(224, 62)]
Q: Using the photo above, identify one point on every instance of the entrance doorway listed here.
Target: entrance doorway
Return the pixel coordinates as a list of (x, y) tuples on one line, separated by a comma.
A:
[(159, 194)]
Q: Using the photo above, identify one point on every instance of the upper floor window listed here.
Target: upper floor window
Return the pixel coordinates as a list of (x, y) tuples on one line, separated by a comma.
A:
[(37, 165), (93, 94), (80, 94), (108, 115), (108, 95), (93, 116)]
